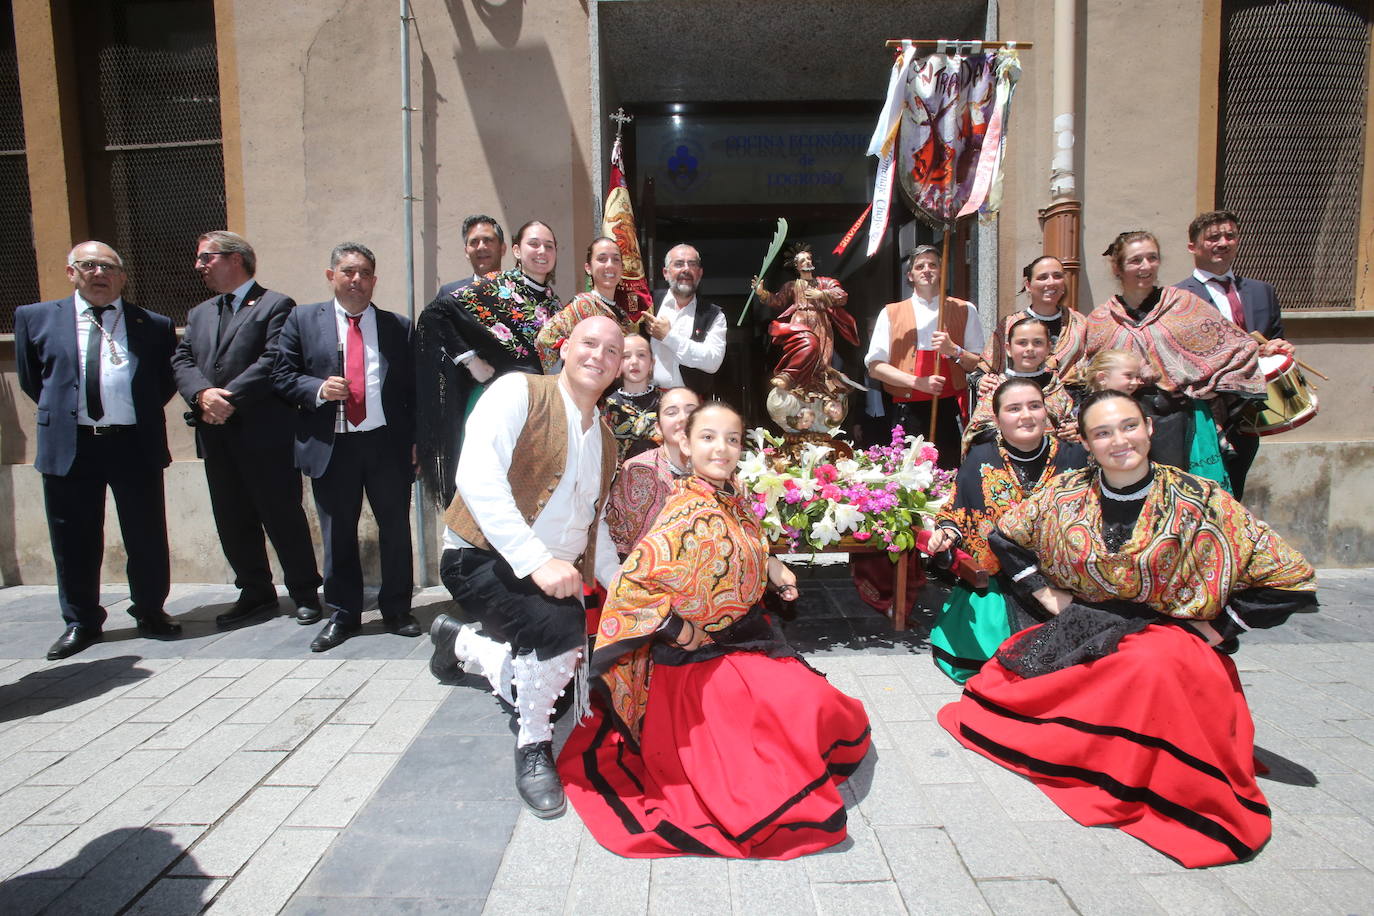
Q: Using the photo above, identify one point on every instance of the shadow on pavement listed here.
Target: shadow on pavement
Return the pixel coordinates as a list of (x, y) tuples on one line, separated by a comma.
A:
[(1283, 770), (66, 685), (110, 873)]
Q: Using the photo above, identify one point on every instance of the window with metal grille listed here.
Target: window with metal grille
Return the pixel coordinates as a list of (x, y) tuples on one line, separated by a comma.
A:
[(1294, 84), (1294, 81), (153, 154), (18, 265)]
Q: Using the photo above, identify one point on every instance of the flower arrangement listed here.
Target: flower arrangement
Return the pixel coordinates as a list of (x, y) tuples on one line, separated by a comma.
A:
[(810, 495)]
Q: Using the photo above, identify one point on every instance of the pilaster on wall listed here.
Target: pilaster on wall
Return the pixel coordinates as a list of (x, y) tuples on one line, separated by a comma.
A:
[(52, 135), (1209, 104), (230, 124)]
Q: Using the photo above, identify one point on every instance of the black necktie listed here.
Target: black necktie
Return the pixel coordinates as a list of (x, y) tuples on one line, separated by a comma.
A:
[(226, 311), (95, 407)]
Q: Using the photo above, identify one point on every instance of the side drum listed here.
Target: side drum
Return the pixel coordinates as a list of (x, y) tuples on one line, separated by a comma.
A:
[(1288, 403)]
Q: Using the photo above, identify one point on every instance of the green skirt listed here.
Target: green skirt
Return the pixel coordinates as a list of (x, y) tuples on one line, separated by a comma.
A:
[(970, 627)]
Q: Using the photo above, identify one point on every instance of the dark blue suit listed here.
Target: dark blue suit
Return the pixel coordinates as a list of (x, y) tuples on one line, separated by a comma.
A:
[(1261, 307), (343, 467), (253, 481), (78, 466)]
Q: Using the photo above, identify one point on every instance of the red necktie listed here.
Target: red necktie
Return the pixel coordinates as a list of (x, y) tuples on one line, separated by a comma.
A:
[(355, 370), (1228, 287)]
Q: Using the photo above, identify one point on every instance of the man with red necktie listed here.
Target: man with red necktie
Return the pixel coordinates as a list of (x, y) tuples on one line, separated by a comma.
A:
[(1213, 240), (347, 367)]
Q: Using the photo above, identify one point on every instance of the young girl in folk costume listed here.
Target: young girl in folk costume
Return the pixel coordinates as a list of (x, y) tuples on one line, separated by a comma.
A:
[(1045, 283), (644, 481), (1123, 708), (605, 268), (1198, 366), (1118, 370), (711, 737), (632, 409), (1027, 349), (995, 476)]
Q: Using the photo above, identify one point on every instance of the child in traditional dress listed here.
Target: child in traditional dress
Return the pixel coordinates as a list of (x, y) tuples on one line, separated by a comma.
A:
[(1118, 370), (632, 409), (1027, 350)]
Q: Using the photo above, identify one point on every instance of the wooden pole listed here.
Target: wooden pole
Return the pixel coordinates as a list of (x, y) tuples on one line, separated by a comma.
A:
[(940, 324)]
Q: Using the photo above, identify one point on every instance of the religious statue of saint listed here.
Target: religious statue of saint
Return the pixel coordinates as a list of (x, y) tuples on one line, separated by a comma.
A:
[(811, 311)]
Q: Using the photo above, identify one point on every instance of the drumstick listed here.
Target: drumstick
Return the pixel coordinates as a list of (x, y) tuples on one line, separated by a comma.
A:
[(1264, 340)]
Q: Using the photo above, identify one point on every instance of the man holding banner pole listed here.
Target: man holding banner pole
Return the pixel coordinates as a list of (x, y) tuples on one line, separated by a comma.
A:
[(903, 354)]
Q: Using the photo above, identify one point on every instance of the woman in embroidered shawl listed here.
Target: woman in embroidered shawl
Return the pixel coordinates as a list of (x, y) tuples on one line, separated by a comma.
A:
[(1125, 708), (712, 736), (605, 268), (1199, 367), (502, 313), (995, 476), (1028, 347), (1044, 283)]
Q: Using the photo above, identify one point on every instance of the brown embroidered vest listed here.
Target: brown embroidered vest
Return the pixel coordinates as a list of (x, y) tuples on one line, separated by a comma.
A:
[(902, 352), (537, 464)]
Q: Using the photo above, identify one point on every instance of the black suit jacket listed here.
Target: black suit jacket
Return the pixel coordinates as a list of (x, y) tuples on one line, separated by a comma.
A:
[(1257, 298), (46, 355), (308, 353), (241, 362)]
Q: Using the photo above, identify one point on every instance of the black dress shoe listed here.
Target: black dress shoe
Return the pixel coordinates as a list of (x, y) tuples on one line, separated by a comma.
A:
[(246, 610), (308, 610), (73, 641), (443, 633), (405, 625), (333, 634), (536, 779), (157, 625)]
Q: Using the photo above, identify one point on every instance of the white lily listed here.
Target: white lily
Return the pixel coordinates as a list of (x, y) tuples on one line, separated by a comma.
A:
[(847, 518), (824, 532)]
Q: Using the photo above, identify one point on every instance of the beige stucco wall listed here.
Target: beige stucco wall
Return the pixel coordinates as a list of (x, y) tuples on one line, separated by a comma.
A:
[(503, 126)]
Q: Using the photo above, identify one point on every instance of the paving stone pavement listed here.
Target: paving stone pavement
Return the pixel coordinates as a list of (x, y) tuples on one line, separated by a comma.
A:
[(237, 772)]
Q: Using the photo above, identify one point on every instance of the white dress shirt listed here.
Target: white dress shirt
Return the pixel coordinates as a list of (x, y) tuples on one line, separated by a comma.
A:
[(560, 529), (116, 373), (927, 313), (372, 360), (1214, 290), (678, 349)]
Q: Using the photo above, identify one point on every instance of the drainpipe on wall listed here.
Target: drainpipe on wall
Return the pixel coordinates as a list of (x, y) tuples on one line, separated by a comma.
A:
[(1062, 220), (408, 209)]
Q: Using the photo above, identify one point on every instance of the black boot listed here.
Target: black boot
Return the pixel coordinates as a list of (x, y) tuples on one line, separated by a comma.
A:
[(537, 780)]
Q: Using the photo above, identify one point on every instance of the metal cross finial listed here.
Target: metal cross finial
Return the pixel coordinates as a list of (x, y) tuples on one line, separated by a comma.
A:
[(621, 119)]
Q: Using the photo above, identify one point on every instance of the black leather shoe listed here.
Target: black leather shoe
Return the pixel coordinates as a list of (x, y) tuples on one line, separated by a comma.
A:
[(402, 626), (308, 610), (73, 641), (537, 780), (443, 633), (333, 634), (157, 625), (246, 610)]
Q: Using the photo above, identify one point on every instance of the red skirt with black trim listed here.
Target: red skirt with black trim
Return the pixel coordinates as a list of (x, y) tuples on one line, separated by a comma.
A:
[(1155, 739), (741, 756)]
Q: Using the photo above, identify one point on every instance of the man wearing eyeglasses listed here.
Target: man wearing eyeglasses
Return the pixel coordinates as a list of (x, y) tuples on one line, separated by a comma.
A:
[(223, 369), (100, 371), (687, 333)]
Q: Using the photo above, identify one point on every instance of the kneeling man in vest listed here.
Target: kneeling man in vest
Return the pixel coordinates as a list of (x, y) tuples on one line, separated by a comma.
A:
[(902, 355), (526, 529)]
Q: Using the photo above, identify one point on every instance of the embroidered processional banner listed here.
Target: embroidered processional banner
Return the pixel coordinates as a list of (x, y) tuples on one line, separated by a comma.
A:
[(942, 134)]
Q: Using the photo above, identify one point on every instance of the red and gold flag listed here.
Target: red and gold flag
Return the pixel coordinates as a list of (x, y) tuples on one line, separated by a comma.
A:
[(618, 222)]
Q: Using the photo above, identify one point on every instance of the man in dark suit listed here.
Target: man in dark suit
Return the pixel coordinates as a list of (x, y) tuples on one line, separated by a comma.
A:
[(347, 367), (223, 369), (99, 369), (1213, 240)]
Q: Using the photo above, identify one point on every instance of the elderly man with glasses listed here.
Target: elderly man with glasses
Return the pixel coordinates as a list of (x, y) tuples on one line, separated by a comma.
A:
[(687, 332), (244, 431), (100, 371)]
